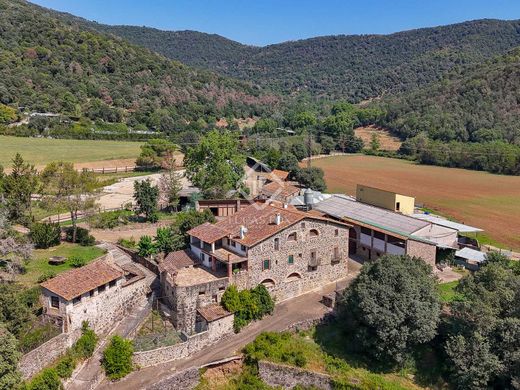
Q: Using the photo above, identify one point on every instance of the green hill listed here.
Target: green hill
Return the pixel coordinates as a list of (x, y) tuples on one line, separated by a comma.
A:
[(353, 67), (51, 64), (480, 103)]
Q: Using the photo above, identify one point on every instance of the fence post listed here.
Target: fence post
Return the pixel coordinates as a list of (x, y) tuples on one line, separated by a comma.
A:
[(103, 170), (116, 169)]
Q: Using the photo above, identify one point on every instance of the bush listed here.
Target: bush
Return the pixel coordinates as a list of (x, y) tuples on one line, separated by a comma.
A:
[(77, 261), (82, 236), (247, 305), (66, 366), (48, 379), (129, 243), (110, 219), (45, 235), (86, 344), (46, 276), (117, 358)]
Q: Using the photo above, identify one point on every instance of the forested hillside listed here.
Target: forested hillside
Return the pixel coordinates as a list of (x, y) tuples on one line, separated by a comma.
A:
[(338, 67), (47, 64)]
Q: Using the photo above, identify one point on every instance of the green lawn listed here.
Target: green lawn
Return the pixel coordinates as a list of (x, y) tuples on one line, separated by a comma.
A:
[(39, 264), (447, 291), (40, 151)]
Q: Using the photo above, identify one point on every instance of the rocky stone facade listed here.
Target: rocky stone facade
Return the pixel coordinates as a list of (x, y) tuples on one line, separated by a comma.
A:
[(101, 307), (289, 377), (186, 380), (427, 252), (303, 257), (184, 300)]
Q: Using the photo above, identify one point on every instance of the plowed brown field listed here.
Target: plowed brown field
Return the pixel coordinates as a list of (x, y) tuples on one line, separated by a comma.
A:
[(491, 202)]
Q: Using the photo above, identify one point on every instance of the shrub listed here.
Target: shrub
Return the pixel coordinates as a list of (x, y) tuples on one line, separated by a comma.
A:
[(117, 358), (82, 236), (46, 276), (86, 344), (129, 243), (65, 366), (146, 246), (45, 235), (48, 379), (77, 261), (110, 219), (247, 305)]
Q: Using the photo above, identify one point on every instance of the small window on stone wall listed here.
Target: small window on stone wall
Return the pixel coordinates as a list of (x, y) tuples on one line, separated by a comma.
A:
[(336, 232), (112, 283), (101, 288), (55, 302), (276, 244), (291, 237), (91, 293), (76, 300), (314, 233)]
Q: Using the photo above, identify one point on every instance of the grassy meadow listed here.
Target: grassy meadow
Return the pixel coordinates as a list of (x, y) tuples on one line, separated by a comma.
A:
[(490, 202), (40, 151)]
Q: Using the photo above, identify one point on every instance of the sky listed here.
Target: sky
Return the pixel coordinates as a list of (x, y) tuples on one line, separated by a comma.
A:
[(263, 22)]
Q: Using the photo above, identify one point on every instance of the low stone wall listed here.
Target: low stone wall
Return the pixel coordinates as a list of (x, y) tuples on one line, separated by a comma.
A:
[(187, 379), (310, 323), (288, 377), (152, 266), (178, 351), (36, 360)]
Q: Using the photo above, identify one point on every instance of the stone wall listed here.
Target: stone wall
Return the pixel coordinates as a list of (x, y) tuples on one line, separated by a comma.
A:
[(150, 265), (187, 379), (216, 330), (288, 377), (184, 300), (294, 279), (36, 360), (425, 251)]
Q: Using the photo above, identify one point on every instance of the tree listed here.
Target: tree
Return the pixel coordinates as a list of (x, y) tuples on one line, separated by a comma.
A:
[(10, 378), (146, 196), (483, 332), (187, 220), (154, 151), (18, 187), (170, 183), (74, 190), (7, 114), (391, 307), (168, 239), (45, 235), (117, 358), (215, 165), (299, 151), (312, 177), (288, 162), (146, 247), (14, 252), (327, 144), (375, 143), (14, 314)]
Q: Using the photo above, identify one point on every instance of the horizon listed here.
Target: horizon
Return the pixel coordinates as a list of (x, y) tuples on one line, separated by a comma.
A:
[(286, 23)]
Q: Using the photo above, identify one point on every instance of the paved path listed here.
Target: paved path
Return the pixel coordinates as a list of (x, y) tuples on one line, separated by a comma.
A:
[(307, 306)]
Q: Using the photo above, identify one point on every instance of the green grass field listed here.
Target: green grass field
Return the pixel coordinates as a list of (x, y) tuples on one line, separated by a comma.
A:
[(40, 151), (447, 291), (39, 264)]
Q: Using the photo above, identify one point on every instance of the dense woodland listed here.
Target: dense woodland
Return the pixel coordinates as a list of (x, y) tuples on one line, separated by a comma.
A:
[(47, 64), (338, 67)]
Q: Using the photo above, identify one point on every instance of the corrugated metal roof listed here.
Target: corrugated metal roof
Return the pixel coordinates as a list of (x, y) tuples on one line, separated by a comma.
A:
[(471, 254), (450, 224), (344, 207)]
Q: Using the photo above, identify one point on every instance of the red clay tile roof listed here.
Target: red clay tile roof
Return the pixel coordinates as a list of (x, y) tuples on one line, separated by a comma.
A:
[(177, 260), (281, 174), (213, 312), (73, 283), (279, 189), (208, 232)]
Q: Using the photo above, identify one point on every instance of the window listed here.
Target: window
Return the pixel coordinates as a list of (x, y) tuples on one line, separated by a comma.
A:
[(336, 257), (201, 257), (397, 206), (55, 302), (202, 292), (366, 231), (101, 288), (243, 247), (379, 235), (266, 265), (112, 283), (291, 237), (290, 259), (276, 244), (313, 233), (336, 233), (302, 225), (76, 300), (91, 293)]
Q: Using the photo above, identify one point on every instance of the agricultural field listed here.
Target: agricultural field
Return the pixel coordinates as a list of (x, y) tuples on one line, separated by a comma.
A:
[(40, 151), (387, 140), (481, 199)]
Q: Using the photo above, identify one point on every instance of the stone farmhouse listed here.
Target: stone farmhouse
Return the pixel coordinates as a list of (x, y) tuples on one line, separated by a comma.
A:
[(288, 251), (101, 292)]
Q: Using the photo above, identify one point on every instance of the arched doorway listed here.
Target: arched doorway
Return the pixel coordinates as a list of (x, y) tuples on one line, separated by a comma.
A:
[(352, 241)]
